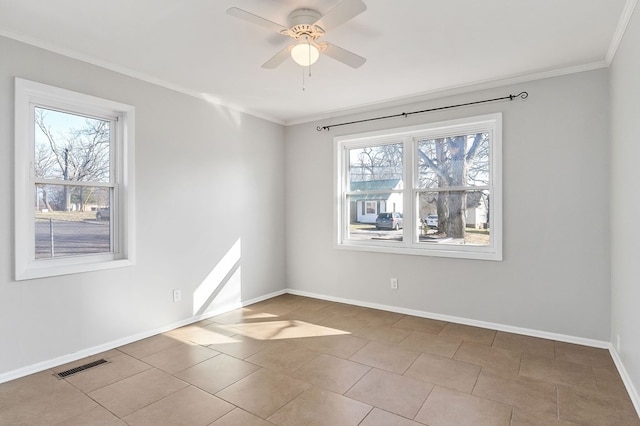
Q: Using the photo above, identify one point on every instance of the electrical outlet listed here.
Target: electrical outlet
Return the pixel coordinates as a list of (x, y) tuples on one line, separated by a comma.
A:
[(177, 295), (394, 283)]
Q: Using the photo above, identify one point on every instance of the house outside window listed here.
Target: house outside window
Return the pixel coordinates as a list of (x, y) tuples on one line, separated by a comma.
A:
[(444, 178), (74, 182)]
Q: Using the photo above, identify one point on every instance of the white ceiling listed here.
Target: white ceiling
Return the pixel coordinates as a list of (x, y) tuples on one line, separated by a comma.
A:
[(413, 47)]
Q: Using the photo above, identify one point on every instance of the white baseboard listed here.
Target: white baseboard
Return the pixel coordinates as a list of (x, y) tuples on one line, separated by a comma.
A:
[(65, 359), (460, 320), (631, 390)]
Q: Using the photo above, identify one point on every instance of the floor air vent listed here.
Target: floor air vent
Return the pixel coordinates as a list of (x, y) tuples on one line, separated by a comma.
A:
[(75, 370)]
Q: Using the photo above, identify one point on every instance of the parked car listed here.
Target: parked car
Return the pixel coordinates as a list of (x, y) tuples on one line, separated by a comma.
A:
[(103, 214), (432, 221), (389, 221)]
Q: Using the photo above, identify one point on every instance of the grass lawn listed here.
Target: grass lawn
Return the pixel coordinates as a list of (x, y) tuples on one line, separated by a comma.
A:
[(69, 216)]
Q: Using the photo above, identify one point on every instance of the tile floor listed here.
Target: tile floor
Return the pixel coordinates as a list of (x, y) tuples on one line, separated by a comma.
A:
[(298, 361)]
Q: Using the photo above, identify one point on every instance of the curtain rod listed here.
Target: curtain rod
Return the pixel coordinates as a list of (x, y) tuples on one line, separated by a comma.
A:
[(521, 95)]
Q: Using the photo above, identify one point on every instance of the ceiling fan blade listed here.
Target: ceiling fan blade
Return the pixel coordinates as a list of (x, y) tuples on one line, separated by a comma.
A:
[(341, 13), (279, 58), (255, 19), (343, 55)]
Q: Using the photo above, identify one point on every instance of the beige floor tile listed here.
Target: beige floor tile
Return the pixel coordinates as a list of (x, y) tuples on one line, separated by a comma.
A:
[(177, 358), (307, 315), (241, 315), (308, 304), (217, 373), (97, 416), (521, 417), (446, 407), (469, 333), (239, 417), (558, 371), (524, 344), (14, 391), (394, 393), (381, 333), (41, 399), (384, 334), (284, 357), (331, 373), (328, 370), (442, 346), (422, 325), (263, 392), (521, 392), (342, 346), (458, 375), (189, 406), (609, 383), (591, 357), (385, 357), (317, 407), (126, 396), (378, 417), (274, 307), (376, 316), (242, 347), (501, 361), (283, 330), (149, 346), (118, 368), (588, 408), (349, 324), (201, 334), (343, 310)]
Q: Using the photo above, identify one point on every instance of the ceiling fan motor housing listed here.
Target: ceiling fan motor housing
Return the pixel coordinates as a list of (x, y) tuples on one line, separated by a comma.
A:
[(301, 23)]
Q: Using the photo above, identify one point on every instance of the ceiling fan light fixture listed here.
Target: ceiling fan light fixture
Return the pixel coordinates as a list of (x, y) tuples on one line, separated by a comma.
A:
[(305, 53)]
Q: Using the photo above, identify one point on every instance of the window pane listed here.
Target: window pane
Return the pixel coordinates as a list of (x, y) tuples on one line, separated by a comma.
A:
[(375, 168), (71, 147), (454, 217), (454, 161), (375, 217), (83, 228)]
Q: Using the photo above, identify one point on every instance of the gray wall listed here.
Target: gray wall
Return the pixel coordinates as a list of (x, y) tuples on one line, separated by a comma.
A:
[(555, 273), (625, 203), (208, 179)]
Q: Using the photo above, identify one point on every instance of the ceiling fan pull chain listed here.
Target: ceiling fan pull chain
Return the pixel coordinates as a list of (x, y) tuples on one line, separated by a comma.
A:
[(309, 51), (303, 87)]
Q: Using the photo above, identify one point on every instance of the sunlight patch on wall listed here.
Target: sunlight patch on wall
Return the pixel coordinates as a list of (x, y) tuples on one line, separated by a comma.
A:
[(230, 114), (223, 284)]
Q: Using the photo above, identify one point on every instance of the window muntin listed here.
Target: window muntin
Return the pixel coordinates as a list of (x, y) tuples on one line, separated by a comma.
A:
[(74, 182), (449, 191)]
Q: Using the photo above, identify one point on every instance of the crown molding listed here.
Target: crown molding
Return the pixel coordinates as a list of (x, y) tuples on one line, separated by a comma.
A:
[(623, 23)]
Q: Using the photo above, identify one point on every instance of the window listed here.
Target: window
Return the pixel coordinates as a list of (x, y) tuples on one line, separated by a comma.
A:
[(444, 179), (74, 182)]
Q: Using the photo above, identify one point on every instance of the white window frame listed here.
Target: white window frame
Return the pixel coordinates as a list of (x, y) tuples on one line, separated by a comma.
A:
[(28, 95), (491, 123)]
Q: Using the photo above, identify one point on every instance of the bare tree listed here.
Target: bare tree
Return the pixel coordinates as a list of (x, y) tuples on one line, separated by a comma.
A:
[(376, 163), (454, 162), (72, 154)]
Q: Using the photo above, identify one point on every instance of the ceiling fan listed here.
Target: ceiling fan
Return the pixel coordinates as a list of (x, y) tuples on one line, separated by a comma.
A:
[(306, 26)]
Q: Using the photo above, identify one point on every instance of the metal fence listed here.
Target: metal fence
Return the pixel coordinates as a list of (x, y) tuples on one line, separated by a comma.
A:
[(57, 238)]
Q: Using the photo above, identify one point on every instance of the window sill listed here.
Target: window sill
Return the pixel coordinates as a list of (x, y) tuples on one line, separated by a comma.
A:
[(458, 252), (42, 269)]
